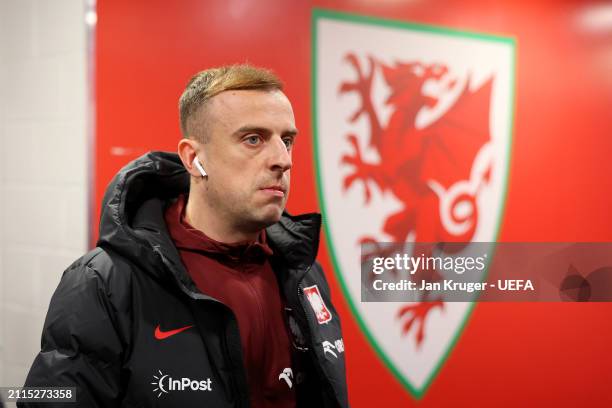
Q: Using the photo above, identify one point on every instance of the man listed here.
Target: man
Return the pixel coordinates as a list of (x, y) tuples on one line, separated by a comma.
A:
[(202, 291)]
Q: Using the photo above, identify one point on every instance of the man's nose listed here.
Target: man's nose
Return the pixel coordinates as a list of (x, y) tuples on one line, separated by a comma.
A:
[(280, 156)]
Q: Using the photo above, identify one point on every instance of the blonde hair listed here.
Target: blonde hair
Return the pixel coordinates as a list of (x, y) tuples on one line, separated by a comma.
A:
[(208, 83)]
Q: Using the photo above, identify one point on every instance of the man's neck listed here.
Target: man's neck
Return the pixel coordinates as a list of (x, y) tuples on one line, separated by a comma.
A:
[(200, 216)]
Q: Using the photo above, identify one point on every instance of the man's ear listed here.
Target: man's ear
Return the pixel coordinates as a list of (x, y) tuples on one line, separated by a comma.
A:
[(187, 152)]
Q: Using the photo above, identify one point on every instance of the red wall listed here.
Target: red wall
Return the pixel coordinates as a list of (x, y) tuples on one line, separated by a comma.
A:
[(560, 186)]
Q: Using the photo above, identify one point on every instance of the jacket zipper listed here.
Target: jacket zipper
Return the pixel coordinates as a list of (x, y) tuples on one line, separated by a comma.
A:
[(233, 383)]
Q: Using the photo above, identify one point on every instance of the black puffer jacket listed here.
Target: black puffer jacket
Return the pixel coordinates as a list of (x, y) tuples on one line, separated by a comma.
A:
[(99, 334)]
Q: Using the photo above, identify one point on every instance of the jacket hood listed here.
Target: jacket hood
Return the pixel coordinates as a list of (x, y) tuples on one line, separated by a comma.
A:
[(132, 221)]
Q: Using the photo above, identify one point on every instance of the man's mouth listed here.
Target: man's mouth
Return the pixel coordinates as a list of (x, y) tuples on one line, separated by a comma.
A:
[(276, 190)]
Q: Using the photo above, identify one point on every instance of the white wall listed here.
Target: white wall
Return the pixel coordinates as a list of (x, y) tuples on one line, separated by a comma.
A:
[(43, 166)]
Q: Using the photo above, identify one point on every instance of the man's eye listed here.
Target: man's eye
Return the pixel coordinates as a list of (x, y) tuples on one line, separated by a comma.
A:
[(253, 140), (288, 142)]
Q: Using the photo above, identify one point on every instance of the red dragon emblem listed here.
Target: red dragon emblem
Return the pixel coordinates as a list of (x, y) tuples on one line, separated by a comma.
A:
[(429, 169)]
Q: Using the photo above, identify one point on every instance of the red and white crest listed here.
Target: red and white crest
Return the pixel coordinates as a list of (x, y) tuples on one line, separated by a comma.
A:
[(412, 129), (318, 305)]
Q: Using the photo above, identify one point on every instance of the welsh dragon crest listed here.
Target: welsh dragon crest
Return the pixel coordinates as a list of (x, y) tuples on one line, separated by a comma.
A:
[(412, 130), (430, 170)]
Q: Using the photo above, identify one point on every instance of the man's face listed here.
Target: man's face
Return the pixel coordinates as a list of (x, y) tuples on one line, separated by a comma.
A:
[(247, 156)]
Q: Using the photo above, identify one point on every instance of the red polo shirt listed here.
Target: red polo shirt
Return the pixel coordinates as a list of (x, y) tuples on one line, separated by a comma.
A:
[(240, 276)]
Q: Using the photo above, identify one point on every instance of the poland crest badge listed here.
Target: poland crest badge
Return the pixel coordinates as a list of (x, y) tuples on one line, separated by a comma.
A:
[(412, 128), (318, 306)]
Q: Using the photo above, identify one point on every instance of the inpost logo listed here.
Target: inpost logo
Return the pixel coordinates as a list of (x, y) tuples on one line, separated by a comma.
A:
[(164, 384)]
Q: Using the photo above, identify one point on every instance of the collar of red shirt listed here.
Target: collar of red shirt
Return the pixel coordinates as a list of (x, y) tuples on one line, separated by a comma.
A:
[(188, 238)]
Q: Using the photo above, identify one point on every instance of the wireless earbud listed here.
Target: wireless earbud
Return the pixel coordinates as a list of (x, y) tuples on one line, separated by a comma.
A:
[(196, 163)]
